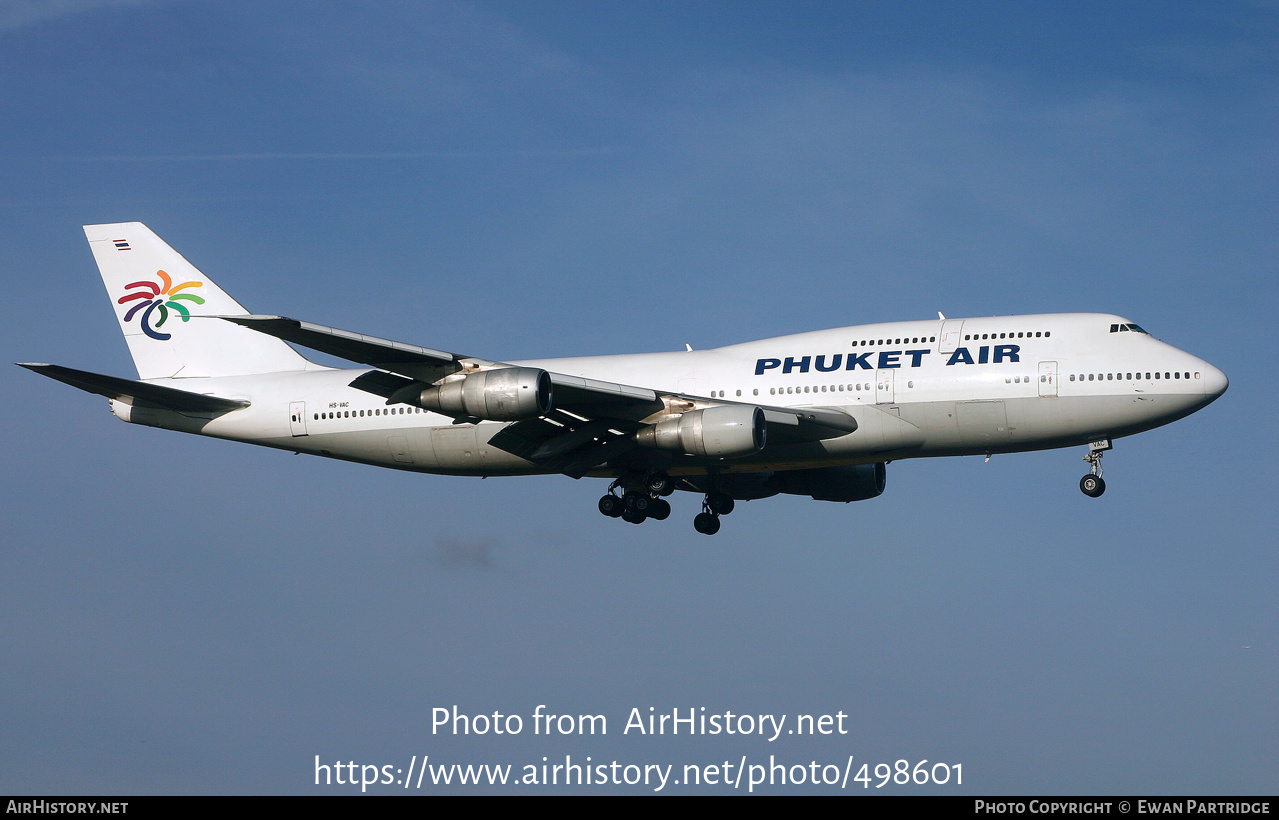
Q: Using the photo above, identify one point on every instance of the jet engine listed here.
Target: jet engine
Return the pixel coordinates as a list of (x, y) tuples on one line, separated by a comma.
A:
[(504, 394), (721, 432)]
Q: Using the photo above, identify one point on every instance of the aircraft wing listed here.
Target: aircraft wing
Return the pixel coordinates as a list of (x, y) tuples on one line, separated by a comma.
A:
[(418, 363), (591, 421)]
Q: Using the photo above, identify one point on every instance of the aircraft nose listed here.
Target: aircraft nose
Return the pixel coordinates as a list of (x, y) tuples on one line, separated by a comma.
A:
[(1215, 382)]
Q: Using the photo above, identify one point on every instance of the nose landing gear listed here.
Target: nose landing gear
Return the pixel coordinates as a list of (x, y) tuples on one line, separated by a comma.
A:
[(1092, 484)]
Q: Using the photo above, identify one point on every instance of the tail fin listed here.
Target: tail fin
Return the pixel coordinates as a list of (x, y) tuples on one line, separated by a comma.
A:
[(165, 306)]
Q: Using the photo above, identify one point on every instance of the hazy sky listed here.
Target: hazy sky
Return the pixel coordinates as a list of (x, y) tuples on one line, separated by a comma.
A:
[(521, 180)]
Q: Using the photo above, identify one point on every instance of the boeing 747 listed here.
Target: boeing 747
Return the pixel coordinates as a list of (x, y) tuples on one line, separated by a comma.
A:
[(819, 414)]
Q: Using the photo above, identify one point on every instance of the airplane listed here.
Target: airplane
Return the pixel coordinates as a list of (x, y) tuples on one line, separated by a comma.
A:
[(818, 414)]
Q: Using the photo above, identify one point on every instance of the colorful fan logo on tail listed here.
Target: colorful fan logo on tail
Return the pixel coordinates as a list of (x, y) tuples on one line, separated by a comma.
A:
[(155, 301)]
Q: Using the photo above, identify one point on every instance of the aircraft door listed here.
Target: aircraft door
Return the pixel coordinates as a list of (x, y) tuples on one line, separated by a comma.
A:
[(1048, 379), (884, 393), (950, 336), (297, 418)]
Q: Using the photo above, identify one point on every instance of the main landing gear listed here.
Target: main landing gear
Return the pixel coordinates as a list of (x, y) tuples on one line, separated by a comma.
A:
[(713, 506), (1092, 484), (634, 507), (643, 497)]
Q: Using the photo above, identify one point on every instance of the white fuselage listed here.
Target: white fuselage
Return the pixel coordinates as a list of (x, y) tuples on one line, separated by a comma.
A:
[(916, 389)]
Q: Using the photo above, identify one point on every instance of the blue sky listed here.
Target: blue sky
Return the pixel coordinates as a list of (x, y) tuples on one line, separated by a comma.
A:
[(519, 180)]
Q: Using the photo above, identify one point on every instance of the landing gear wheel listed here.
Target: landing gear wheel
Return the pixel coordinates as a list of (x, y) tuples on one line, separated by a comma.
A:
[(633, 517), (720, 503), (637, 503), (611, 505), (1091, 484), (706, 523), (660, 484), (659, 509)]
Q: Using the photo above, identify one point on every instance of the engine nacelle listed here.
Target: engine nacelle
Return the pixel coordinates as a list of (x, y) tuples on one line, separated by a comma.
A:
[(504, 394), (720, 432), (853, 483)]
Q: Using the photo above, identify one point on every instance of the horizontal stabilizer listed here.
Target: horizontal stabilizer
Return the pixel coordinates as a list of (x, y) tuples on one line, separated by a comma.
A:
[(112, 387)]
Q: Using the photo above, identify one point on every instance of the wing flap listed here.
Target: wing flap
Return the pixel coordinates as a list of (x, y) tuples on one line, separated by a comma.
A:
[(565, 445)]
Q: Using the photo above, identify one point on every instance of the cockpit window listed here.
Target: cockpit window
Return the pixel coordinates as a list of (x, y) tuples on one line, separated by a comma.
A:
[(1136, 328)]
